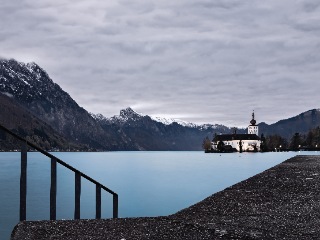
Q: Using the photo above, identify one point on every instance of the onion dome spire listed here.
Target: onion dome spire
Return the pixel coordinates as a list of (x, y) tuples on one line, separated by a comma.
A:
[(253, 121)]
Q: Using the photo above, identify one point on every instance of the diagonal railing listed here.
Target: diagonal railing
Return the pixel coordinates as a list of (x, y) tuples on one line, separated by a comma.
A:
[(53, 186)]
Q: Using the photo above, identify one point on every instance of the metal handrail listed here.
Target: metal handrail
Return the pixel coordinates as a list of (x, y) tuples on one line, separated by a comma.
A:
[(53, 187)]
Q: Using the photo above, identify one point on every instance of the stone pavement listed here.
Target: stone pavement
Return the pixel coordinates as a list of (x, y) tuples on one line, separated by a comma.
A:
[(282, 202)]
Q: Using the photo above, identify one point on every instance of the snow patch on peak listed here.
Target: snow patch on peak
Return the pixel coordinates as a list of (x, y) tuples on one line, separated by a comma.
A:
[(98, 116), (210, 126), (165, 121), (125, 115), (186, 124), (168, 121), (7, 94), (129, 113), (35, 70), (31, 66)]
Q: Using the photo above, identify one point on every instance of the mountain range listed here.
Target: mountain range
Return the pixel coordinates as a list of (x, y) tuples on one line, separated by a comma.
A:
[(35, 107), (146, 133), (301, 123)]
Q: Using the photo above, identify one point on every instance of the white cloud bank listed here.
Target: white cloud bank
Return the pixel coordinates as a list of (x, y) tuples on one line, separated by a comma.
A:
[(207, 61)]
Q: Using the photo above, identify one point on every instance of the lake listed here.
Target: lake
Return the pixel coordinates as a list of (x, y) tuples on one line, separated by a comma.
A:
[(148, 183)]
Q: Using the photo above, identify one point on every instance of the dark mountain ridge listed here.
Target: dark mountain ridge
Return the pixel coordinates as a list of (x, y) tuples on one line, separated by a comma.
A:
[(16, 118), (30, 88), (148, 134), (286, 128)]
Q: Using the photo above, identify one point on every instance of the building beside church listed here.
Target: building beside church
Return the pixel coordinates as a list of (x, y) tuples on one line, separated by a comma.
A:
[(249, 142)]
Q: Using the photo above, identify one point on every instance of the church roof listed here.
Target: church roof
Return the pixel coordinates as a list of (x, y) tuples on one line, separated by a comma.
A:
[(230, 137)]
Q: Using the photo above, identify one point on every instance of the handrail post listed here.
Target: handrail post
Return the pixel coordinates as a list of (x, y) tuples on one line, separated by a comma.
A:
[(77, 195), (53, 190), (98, 201), (115, 205), (23, 183)]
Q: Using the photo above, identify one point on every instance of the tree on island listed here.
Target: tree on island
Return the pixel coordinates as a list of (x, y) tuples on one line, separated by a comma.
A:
[(296, 142), (263, 145), (312, 139), (206, 144), (220, 146), (275, 142), (240, 146)]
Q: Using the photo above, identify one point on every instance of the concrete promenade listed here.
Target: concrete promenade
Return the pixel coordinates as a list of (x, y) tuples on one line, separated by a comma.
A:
[(282, 202)]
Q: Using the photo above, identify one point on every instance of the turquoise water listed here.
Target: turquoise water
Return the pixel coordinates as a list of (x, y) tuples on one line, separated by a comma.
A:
[(148, 183)]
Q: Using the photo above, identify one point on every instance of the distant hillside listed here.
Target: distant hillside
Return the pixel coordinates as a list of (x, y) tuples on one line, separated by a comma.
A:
[(32, 88), (19, 120), (148, 134), (40, 107), (301, 123)]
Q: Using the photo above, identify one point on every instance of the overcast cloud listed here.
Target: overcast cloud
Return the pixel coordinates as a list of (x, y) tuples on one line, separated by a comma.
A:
[(202, 61)]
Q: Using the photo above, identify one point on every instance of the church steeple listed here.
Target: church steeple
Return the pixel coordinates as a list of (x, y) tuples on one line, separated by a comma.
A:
[(253, 121), (253, 128)]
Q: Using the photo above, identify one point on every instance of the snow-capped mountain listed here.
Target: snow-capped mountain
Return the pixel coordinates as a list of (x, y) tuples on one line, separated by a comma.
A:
[(25, 82), (126, 115), (30, 87), (168, 121), (151, 133), (129, 114)]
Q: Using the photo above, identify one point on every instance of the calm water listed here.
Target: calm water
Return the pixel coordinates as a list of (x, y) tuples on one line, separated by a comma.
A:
[(148, 183)]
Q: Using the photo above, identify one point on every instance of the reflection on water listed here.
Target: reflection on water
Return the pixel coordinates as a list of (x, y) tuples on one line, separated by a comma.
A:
[(148, 183)]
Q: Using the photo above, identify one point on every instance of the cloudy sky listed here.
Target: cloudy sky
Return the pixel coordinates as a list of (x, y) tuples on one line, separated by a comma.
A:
[(204, 61)]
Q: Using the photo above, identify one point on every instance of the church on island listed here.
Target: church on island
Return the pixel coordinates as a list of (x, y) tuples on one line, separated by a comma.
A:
[(249, 142)]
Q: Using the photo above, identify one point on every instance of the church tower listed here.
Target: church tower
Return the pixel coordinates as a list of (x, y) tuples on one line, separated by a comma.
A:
[(253, 128)]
